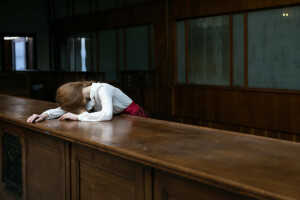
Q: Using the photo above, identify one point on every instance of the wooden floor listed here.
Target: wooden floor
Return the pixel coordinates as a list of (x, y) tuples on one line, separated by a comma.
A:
[(138, 158)]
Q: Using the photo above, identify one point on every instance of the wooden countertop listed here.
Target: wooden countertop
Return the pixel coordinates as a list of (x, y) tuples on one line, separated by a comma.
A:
[(257, 166)]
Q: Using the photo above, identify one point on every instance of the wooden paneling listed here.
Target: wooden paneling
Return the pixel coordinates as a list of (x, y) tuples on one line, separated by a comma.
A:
[(44, 165), (277, 111), (196, 8), (161, 63), (125, 151), (170, 187), (227, 108), (272, 111), (14, 83), (102, 176), (45, 169)]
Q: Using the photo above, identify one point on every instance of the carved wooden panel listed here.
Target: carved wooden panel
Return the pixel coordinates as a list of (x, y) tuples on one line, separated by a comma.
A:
[(97, 175), (12, 164)]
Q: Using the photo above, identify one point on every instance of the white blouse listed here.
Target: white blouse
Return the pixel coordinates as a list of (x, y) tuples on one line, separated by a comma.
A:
[(106, 101)]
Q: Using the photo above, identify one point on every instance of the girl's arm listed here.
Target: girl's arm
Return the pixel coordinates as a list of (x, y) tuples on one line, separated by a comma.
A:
[(48, 114), (105, 95), (54, 113)]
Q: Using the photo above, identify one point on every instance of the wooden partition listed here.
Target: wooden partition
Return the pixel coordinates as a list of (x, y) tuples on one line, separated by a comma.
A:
[(137, 158), (265, 112), (15, 83)]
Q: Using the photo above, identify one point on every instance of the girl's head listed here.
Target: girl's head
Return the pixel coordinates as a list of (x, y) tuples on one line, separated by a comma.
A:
[(70, 96)]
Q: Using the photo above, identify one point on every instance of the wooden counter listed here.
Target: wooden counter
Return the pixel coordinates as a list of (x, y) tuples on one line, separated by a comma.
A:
[(137, 158)]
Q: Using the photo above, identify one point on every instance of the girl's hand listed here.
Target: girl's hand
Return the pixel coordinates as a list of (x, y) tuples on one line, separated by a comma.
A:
[(69, 116), (37, 118)]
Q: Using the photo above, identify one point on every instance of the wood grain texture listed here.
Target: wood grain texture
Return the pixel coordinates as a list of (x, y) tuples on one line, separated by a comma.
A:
[(43, 165), (245, 164), (102, 176), (170, 187), (275, 110)]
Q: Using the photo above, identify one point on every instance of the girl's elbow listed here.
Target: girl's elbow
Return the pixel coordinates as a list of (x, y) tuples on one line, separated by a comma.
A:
[(108, 116)]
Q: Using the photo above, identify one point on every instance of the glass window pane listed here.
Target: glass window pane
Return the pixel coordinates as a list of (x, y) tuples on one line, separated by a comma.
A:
[(20, 55), (71, 43), (94, 52), (63, 55), (137, 48), (60, 8), (106, 4), (151, 48), (208, 41), (238, 50), (82, 52), (121, 48), (274, 48), (77, 53), (81, 6), (108, 54), (180, 31)]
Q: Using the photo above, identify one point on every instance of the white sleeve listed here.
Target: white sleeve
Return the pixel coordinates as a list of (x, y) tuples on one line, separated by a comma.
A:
[(105, 95), (53, 113)]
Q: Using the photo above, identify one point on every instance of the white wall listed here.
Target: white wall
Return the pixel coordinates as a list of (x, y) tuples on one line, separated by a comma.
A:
[(30, 16)]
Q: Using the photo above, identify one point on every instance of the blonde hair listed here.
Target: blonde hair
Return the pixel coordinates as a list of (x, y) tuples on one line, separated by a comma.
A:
[(70, 97)]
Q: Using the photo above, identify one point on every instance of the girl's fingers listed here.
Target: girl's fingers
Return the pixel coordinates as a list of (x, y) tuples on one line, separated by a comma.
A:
[(39, 119), (32, 118), (63, 117)]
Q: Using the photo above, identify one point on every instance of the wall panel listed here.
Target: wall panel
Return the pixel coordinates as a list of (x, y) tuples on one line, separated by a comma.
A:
[(258, 109)]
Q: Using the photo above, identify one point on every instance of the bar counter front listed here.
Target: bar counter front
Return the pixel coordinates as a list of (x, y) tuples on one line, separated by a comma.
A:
[(137, 158)]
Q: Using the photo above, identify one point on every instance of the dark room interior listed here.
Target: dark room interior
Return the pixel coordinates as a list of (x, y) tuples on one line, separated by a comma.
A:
[(214, 87)]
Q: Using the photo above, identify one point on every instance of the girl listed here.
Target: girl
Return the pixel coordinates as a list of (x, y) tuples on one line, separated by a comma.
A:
[(77, 99)]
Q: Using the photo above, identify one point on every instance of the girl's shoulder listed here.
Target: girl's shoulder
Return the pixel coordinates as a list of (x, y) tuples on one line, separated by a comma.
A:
[(104, 88)]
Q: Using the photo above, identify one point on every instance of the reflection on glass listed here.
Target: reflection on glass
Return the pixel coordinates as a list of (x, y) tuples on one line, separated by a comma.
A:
[(108, 54), (82, 52), (180, 31), (83, 55), (20, 54), (137, 48), (208, 42), (238, 50), (274, 48)]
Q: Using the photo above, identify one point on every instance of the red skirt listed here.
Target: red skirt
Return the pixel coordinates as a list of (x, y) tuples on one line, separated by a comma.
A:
[(135, 110)]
